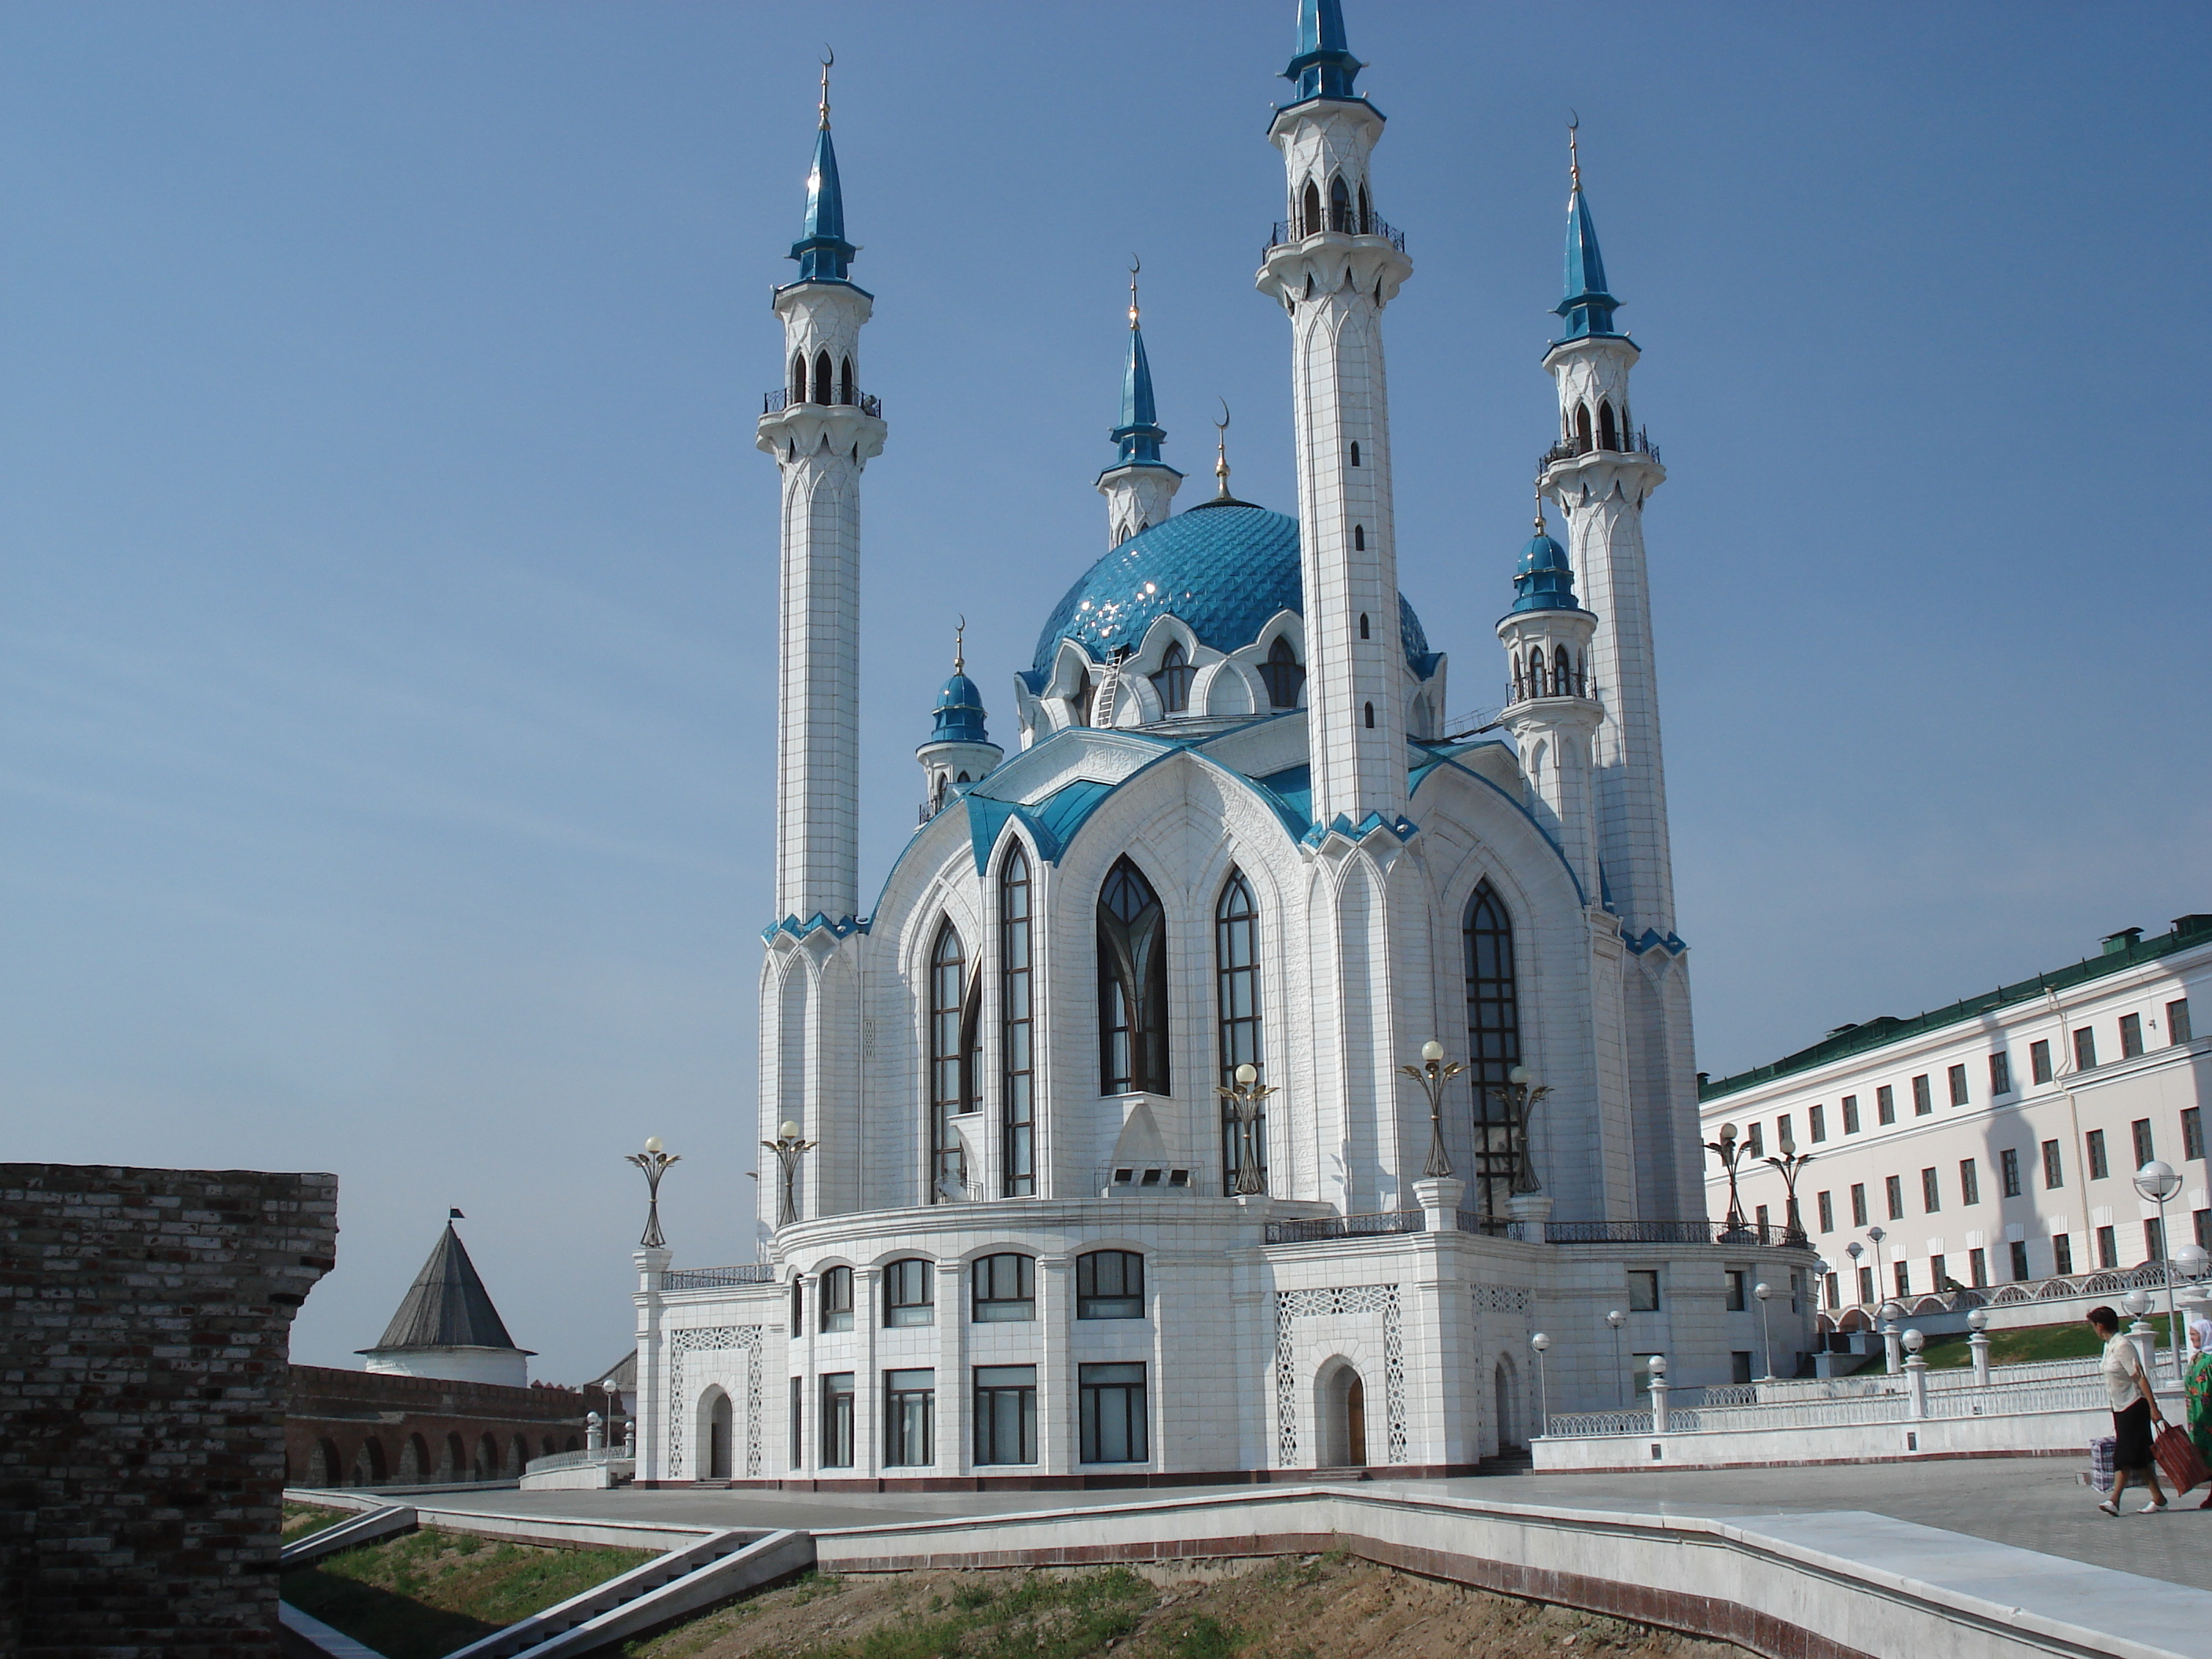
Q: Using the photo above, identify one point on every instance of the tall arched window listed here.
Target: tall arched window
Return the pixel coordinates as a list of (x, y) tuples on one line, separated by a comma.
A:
[(1359, 539), (1363, 625), (1581, 429), (1563, 673), (798, 377), (1017, 1067), (1132, 985), (948, 1062), (822, 377), (1536, 672), (1282, 674), (1493, 1028), (1607, 434), (1519, 684), (1371, 717), (1173, 681), (1355, 452), (1340, 206), (1310, 224), (845, 381), (1237, 977), (1366, 212)]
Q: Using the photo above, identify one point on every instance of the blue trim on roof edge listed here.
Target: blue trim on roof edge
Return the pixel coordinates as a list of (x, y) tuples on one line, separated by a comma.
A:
[(843, 926)]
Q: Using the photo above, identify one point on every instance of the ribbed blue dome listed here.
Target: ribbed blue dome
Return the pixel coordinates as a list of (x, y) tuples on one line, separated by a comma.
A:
[(1223, 570), (1544, 579), (959, 712)]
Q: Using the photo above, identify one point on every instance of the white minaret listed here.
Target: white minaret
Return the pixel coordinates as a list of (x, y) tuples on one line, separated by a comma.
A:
[(1601, 473), (822, 432), (1140, 486), (1551, 709), (1334, 265)]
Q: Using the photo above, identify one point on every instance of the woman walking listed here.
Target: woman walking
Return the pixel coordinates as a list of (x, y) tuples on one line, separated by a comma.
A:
[(2199, 1385), (2127, 1390)]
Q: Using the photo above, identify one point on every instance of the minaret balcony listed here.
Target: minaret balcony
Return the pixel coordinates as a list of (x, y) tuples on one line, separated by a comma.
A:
[(1287, 232), (774, 403), (1569, 449)]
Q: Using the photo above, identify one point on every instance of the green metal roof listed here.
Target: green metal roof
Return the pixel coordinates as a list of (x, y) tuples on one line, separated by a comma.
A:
[(2122, 950)]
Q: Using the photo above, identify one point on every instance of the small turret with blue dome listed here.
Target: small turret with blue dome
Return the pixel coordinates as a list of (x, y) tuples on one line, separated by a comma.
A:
[(1543, 580), (959, 751)]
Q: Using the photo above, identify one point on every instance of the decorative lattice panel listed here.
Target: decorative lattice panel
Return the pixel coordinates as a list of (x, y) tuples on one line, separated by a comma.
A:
[(1292, 1305), (705, 1339), (1503, 1299)]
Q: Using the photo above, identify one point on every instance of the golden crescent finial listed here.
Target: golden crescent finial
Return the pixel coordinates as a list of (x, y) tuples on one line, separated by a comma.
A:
[(1221, 451), (1540, 512), (959, 645), (1136, 264), (1574, 157), (828, 62)]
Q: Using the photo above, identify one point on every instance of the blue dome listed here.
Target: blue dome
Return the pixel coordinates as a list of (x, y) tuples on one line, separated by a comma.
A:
[(959, 712), (1223, 570), (1544, 581)]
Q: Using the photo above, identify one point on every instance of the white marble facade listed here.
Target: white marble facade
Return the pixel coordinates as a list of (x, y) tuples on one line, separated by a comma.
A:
[(1013, 1057)]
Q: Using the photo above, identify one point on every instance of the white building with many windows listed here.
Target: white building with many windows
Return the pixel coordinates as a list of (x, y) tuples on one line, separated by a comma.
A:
[(1094, 1155), (1993, 1142)]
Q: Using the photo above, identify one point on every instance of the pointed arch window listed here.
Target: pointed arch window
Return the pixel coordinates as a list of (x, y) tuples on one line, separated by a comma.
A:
[(951, 1036), (1283, 675), (1132, 985), (1581, 429), (1310, 224), (1536, 672), (1355, 452), (1371, 717), (845, 381), (1366, 211), (1494, 1023), (1017, 1060), (1563, 673), (1520, 686), (821, 387), (1237, 980), (1608, 435), (1173, 681), (1079, 700), (1340, 206), (1363, 625), (798, 377)]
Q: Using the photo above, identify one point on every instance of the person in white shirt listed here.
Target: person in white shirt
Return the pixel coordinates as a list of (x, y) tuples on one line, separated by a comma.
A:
[(2127, 1390)]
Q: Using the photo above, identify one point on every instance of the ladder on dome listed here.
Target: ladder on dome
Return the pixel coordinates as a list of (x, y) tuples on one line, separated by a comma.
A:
[(1101, 706)]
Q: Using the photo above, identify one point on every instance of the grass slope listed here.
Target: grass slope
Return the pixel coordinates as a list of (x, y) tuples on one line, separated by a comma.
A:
[(2073, 1340), (422, 1595)]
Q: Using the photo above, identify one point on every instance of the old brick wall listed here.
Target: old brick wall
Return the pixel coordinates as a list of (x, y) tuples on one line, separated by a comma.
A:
[(145, 1317), (376, 1428)]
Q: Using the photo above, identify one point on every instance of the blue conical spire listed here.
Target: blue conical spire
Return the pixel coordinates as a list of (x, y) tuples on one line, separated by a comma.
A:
[(1324, 67), (1543, 580), (1139, 432), (1587, 306), (822, 252)]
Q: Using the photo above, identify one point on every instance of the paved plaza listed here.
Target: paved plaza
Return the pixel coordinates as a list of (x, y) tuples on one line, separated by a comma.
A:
[(2030, 1503)]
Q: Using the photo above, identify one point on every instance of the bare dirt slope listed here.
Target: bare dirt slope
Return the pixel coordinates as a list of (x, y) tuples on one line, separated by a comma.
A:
[(1315, 1608)]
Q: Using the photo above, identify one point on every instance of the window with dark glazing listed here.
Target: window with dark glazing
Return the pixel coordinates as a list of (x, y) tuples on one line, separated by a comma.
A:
[(1017, 1063), (1494, 1030), (1005, 1287), (1237, 1009), (1132, 985), (1109, 1285)]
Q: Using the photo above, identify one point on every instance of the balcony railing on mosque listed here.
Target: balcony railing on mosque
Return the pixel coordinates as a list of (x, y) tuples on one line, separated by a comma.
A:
[(1638, 442), (1345, 221), (783, 397), (711, 1279), (1383, 1223)]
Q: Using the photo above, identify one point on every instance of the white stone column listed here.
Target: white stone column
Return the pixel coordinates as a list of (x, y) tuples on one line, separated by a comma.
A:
[(651, 1415), (1056, 1403)]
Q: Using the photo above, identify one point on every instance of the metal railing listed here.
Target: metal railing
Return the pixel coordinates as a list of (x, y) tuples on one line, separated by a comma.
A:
[(1754, 1233), (708, 1279), (1287, 231), (774, 403), (1345, 1226), (1638, 442), (578, 1460)]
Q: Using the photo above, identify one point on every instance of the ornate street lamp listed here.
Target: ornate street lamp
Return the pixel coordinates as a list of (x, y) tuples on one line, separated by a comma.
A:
[(788, 1148), (1540, 1343), (1791, 1163), (1245, 1096), (1855, 1250), (1730, 1152), (1432, 1073), (1617, 1319), (654, 1163), (1762, 1291), (2159, 1181), (1520, 1097)]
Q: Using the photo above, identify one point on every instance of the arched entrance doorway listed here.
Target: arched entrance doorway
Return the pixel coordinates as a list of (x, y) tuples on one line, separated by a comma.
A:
[(721, 1422), (1340, 1417), (1507, 1386)]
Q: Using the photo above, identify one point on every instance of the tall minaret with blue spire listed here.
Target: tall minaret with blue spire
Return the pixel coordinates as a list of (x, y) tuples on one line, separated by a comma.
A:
[(1600, 472), (821, 431), (1139, 486), (1333, 265)]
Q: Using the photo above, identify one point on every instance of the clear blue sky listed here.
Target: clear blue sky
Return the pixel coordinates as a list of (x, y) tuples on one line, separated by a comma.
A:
[(386, 573)]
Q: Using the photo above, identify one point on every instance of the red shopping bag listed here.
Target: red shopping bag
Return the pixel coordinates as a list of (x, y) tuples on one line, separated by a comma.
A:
[(2178, 1459)]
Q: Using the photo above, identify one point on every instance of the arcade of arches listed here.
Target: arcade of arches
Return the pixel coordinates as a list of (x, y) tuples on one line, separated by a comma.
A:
[(376, 1428)]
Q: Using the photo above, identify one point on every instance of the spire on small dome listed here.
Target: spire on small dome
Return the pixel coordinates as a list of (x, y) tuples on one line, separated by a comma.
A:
[(1587, 306), (1544, 581), (1139, 432), (959, 712), (822, 252), (1324, 67), (1221, 497)]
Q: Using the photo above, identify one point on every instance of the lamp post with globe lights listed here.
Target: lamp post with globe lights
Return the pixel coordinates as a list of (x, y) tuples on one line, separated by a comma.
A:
[(1762, 1291), (1617, 1319), (1245, 1099), (1730, 1152), (2158, 1181), (1432, 1073), (1519, 1097), (654, 1163), (788, 1148), (1855, 1250), (1542, 1344), (1790, 1162)]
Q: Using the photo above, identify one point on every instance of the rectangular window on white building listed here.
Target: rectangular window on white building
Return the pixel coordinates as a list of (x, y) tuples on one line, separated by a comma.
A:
[(1892, 1189), (2085, 1049), (2000, 1075), (1850, 1114), (2154, 1240), (1924, 1097), (911, 1418), (2204, 1220), (1957, 1079), (1858, 1204), (2193, 1132), (1866, 1285), (2019, 1260), (1006, 1415), (1835, 1292), (2177, 1021), (2008, 1167), (1904, 1278), (2130, 1035), (2054, 1172), (2108, 1249), (1734, 1279), (1754, 1139), (1816, 1119), (1885, 1104), (836, 1447), (1782, 1138), (1827, 1203), (2144, 1150), (2099, 1166), (1939, 1273), (1931, 1192), (2038, 1061), (1113, 1413), (1978, 1264), (1970, 1181), (2061, 1254), (1740, 1365), (1644, 1289), (1760, 1218)]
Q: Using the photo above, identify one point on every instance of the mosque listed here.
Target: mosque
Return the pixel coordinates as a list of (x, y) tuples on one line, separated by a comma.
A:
[(1246, 1075)]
